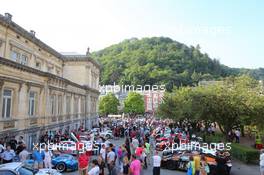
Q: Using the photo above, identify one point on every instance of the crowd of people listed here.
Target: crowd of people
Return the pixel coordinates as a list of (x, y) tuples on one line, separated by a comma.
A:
[(134, 152)]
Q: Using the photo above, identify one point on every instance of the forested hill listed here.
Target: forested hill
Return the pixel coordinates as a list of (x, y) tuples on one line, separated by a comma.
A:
[(160, 60)]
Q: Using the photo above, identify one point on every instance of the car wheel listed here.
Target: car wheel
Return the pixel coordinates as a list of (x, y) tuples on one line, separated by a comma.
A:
[(61, 167)]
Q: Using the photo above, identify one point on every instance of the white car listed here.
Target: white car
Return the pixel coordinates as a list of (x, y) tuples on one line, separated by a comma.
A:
[(18, 168), (107, 134)]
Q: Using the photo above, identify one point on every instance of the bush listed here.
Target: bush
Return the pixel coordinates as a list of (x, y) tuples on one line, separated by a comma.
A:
[(216, 138), (244, 153)]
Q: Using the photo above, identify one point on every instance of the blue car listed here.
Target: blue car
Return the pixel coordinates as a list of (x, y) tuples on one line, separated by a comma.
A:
[(65, 162)]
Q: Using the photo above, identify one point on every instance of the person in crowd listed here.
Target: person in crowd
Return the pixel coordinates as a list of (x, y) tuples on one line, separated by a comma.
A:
[(126, 166), (95, 168), (204, 166), (8, 155), (101, 164), (134, 145), (147, 152), (111, 157), (103, 152), (135, 166), (261, 162), (156, 163), (191, 166), (2, 149), (83, 163), (120, 156), (38, 159), (19, 148), (47, 158), (221, 161), (21, 140), (24, 154), (127, 147), (197, 163), (237, 135), (13, 143), (139, 151)]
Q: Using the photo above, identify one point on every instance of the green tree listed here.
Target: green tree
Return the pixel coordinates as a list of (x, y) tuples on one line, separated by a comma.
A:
[(134, 104), (108, 104), (235, 102)]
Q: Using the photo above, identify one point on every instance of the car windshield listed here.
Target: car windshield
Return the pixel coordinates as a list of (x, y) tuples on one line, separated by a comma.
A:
[(25, 171)]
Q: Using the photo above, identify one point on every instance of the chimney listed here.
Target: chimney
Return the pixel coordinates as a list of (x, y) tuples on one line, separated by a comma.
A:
[(32, 32), (8, 16)]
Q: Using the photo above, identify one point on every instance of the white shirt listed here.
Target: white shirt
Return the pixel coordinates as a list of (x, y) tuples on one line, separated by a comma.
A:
[(23, 155), (135, 143), (261, 159), (102, 153), (48, 156), (94, 171), (111, 157), (156, 161), (2, 148), (237, 133)]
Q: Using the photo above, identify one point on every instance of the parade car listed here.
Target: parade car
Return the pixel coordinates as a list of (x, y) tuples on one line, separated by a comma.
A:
[(67, 147), (178, 159), (65, 162), (107, 134), (19, 168)]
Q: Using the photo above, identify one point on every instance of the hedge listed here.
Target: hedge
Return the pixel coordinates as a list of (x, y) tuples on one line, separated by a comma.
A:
[(244, 153), (216, 138)]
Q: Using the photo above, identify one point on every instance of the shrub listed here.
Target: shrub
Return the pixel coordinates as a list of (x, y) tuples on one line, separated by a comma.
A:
[(244, 153), (216, 138)]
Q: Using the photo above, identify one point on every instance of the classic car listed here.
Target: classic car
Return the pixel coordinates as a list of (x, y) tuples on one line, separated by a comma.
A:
[(65, 162), (178, 159), (19, 168)]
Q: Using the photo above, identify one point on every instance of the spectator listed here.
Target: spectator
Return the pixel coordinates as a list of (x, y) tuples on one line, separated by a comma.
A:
[(21, 140), (156, 163), (2, 148), (134, 145), (103, 152), (237, 135), (135, 166), (191, 166), (204, 166), (261, 162), (101, 165), (221, 161), (47, 158), (110, 160), (95, 168), (8, 155), (13, 143), (197, 163), (38, 159), (83, 163), (125, 166), (23, 155)]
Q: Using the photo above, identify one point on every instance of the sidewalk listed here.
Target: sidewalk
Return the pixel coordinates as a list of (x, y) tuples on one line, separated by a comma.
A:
[(240, 168)]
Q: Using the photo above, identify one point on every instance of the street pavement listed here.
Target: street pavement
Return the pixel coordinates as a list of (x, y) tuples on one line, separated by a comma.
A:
[(238, 168)]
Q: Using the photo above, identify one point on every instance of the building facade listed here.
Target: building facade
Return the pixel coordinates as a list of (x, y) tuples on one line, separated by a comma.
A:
[(41, 89), (152, 98)]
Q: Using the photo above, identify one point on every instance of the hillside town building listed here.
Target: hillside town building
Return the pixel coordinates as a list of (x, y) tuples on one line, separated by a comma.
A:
[(42, 90)]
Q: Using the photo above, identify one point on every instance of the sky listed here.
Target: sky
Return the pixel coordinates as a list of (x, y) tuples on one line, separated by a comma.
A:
[(231, 31)]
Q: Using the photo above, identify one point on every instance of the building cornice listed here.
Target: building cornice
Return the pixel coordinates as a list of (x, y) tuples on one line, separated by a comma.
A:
[(29, 36), (10, 63)]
